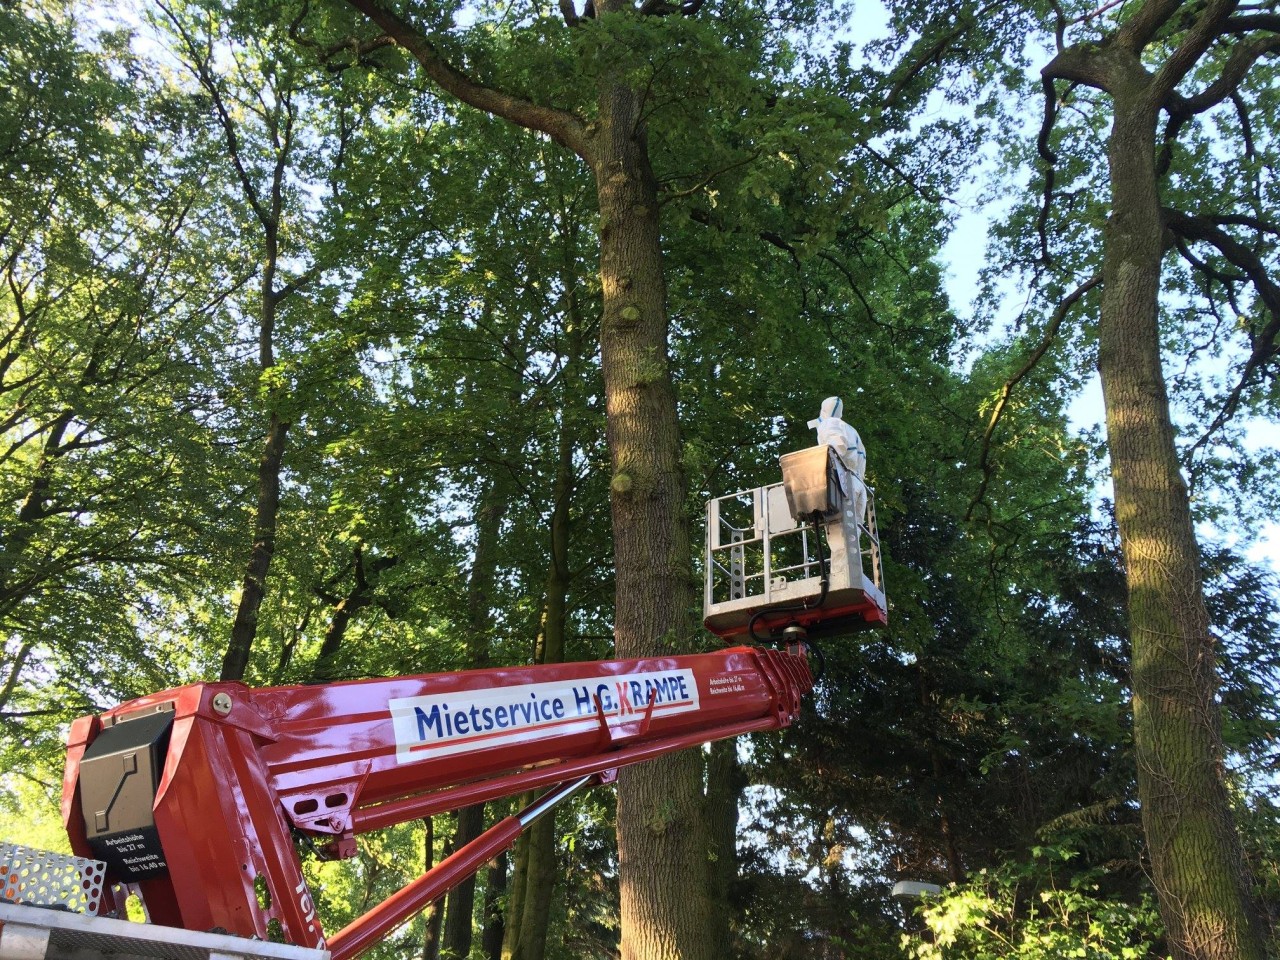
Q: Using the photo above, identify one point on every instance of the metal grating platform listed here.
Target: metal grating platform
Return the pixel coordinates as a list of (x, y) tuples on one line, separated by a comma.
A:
[(36, 933), (43, 879)]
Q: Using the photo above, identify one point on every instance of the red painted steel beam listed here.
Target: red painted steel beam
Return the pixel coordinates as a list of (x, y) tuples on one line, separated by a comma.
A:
[(367, 930), (414, 808), (337, 747)]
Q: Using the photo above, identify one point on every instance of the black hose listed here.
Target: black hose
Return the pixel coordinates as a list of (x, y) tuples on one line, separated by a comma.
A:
[(825, 584), (814, 652)]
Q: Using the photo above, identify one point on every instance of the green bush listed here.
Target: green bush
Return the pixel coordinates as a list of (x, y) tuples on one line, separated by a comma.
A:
[(1036, 911)]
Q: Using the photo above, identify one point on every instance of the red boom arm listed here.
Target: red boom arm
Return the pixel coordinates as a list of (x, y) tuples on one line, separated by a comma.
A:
[(197, 793)]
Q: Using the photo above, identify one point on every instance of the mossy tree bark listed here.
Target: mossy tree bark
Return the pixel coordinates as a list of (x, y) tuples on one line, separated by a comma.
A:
[(1194, 849), (1196, 862), (662, 840)]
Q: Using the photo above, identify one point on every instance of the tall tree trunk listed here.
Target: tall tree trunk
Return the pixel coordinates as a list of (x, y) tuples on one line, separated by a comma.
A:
[(946, 833), (517, 887), (528, 937), (460, 905), (662, 840), (253, 587), (495, 887), (434, 912), (1196, 863), (662, 843), (725, 783), (534, 878), (536, 866)]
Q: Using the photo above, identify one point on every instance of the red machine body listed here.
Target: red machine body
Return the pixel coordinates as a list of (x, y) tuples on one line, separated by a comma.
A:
[(240, 773)]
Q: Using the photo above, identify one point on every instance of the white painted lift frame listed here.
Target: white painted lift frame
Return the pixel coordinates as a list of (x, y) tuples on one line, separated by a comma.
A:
[(41, 933)]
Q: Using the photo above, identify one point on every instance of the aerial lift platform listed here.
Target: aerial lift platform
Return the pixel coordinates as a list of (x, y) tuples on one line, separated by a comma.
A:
[(199, 800), (798, 559)]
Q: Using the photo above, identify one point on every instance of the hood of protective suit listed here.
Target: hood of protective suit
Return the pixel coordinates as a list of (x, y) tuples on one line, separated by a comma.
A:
[(832, 408)]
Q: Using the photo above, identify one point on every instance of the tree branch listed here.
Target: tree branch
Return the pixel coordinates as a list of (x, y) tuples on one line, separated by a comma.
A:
[(1228, 280), (297, 283), (1170, 136), (997, 412), (933, 51), (560, 125), (1050, 160), (1241, 59), (1246, 128), (15, 669), (1079, 65), (1243, 220), (1206, 29), (358, 48), (1096, 11), (768, 236), (710, 178), (1138, 31), (925, 191), (857, 291), (199, 66), (1251, 22), (1263, 344)]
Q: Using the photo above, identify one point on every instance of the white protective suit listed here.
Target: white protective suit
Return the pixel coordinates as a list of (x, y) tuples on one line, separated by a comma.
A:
[(842, 438)]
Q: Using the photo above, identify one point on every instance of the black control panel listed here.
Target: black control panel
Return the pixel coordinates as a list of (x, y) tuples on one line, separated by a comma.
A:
[(119, 777)]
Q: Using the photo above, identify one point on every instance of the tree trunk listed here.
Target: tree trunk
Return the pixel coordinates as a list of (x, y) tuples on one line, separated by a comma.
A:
[(254, 586), (1196, 863), (460, 905), (434, 912), (434, 916), (662, 841), (946, 833), (517, 887), (661, 835), (536, 866), (725, 783), (495, 887)]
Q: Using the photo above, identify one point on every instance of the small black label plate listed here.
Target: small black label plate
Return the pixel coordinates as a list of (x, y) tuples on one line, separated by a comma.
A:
[(131, 855)]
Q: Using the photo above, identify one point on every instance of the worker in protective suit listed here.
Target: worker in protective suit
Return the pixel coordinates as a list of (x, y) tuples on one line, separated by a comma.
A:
[(844, 440)]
